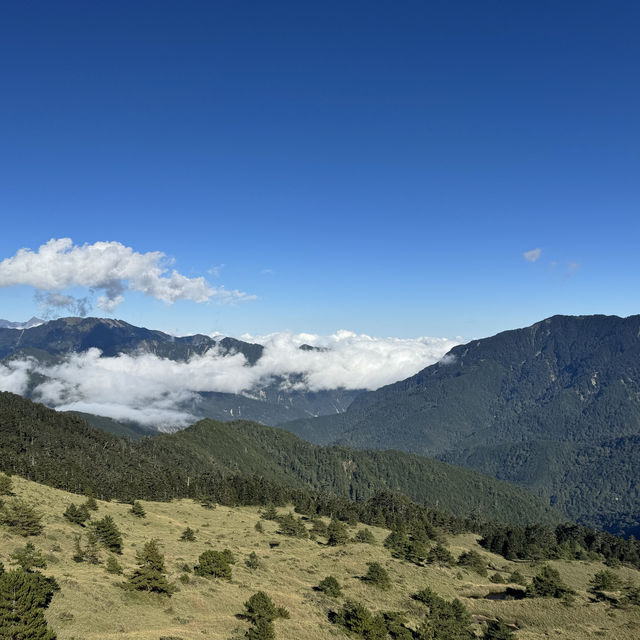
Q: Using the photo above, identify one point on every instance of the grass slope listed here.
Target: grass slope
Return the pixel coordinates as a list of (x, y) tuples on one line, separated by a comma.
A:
[(91, 606)]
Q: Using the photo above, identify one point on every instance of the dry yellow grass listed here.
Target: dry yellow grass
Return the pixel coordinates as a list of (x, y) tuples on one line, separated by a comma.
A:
[(91, 605)]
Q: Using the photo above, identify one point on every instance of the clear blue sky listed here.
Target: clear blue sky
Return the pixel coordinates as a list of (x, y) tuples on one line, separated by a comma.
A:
[(374, 166)]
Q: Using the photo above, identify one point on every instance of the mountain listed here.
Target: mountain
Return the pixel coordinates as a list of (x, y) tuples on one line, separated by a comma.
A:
[(65, 451), (32, 322), (270, 404), (554, 407)]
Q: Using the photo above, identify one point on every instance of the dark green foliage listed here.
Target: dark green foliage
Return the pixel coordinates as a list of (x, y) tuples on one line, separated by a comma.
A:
[(358, 620), (23, 598), (213, 564), (496, 578), (260, 611), (377, 576), (473, 560), (396, 626), (188, 535), (269, 512), (364, 536), (337, 533), (91, 551), (517, 578), (439, 554), (292, 526), (319, 527), (330, 587), (547, 584), (258, 527), (228, 556), (21, 517), (261, 629), (498, 630), (253, 562), (91, 503), (6, 485), (28, 557), (138, 510), (108, 534), (113, 566), (151, 574), (77, 514), (632, 596), (446, 620), (605, 580), (208, 503), (203, 460), (554, 407)]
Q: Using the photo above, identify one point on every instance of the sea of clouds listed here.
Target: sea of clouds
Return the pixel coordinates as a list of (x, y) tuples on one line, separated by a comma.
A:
[(159, 392)]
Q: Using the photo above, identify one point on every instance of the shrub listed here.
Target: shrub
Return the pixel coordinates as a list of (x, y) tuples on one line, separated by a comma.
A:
[(548, 584), (474, 561), (6, 485), (330, 587), (228, 556), (496, 578), (253, 562), (28, 557), (517, 578), (269, 513), (498, 630), (605, 580), (213, 564), (449, 620), (377, 575), (258, 527), (292, 526), (337, 533), (77, 514), (188, 535), (364, 536), (91, 503), (440, 555), (357, 619)]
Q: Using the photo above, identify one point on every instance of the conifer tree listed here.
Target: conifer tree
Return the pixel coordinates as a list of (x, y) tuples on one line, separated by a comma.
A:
[(252, 562), (90, 502), (113, 566), (188, 535), (21, 517), (138, 510), (6, 485), (91, 551), (377, 575), (29, 558), (213, 564), (337, 533), (23, 598), (498, 630), (330, 587), (77, 514), (108, 534), (151, 574)]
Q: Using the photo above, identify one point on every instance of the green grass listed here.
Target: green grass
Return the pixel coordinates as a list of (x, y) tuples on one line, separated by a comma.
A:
[(91, 606)]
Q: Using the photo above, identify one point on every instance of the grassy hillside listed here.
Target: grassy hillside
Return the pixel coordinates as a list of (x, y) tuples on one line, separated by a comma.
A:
[(554, 407), (90, 604), (64, 451)]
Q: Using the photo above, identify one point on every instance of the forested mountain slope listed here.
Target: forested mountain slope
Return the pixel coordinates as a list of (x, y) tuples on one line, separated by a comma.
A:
[(554, 407), (66, 452)]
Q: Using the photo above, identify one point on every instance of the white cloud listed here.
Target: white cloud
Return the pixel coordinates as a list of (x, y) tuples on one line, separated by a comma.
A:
[(163, 393), (109, 267), (532, 255)]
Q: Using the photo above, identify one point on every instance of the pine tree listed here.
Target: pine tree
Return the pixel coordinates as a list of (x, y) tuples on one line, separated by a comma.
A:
[(138, 510), (547, 584), (90, 502), (6, 485), (108, 534), (498, 630), (213, 564), (151, 574), (78, 553), (113, 566), (91, 551), (440, 555), (337, 533), (269, 513), (261, 630), (188, 535), (23, 598), (253, 562), (377, 575), (21, 517), (29, 558), (330, 587), (364, 536), (77, 515), (292, 526)]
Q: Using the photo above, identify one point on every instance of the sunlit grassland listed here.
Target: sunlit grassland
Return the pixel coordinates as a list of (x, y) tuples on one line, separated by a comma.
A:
[(91, 605)]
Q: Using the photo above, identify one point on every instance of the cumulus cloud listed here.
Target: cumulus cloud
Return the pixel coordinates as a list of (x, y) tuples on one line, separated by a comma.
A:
[(107, 267), (163, 393), (532, 255)]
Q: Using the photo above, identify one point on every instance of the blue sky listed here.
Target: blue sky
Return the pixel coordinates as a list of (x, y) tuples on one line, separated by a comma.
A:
[(377, 167)]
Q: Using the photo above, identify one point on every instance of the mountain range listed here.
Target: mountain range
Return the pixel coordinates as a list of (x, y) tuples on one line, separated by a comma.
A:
[(554, 407)]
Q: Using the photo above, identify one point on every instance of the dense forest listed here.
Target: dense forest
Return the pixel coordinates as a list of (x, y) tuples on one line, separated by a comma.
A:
[(554, 407)]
